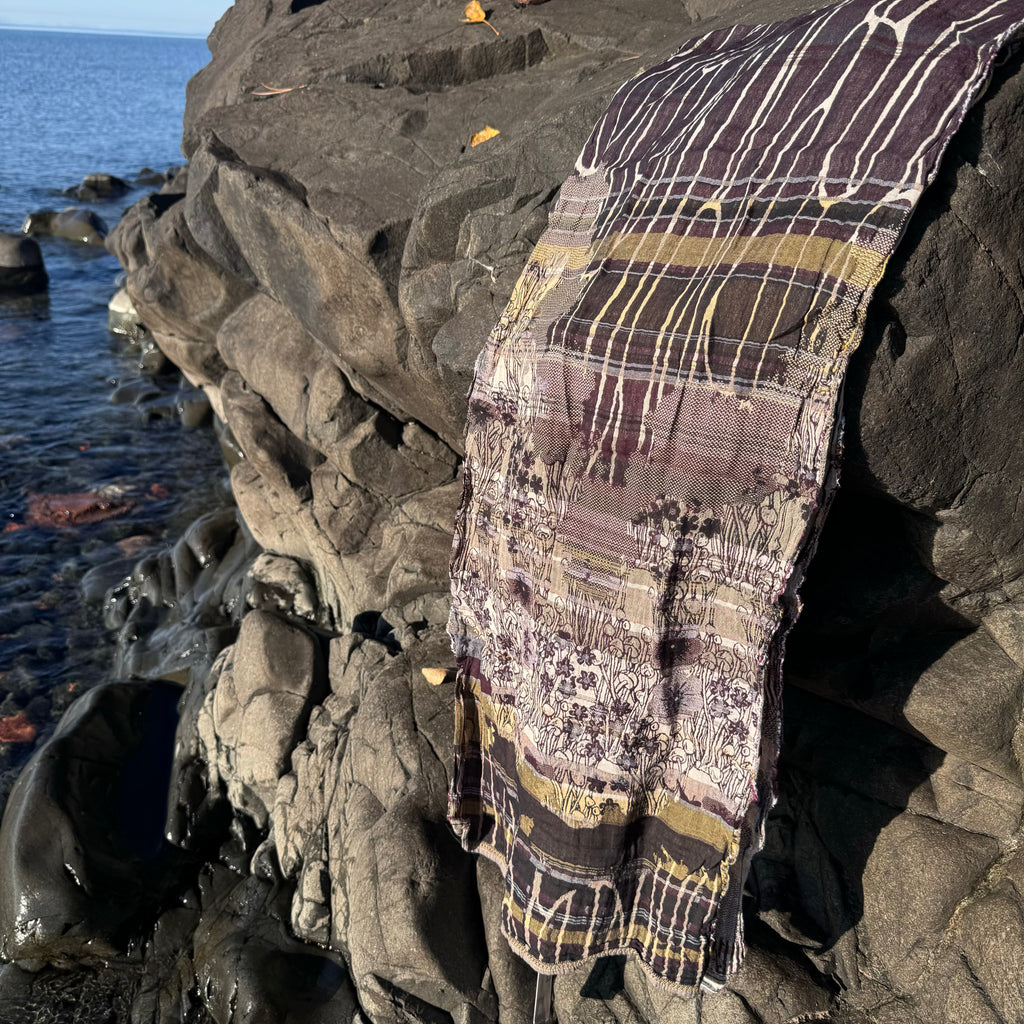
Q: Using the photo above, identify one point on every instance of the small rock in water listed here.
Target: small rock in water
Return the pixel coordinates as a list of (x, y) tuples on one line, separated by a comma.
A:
[(193, 409), (75, 223), (99, 186), (21, 267), (122, 317), (17, 729), (147, 176), (74, 509)]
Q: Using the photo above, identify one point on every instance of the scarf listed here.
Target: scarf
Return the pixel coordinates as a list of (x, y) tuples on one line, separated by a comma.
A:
[(651, 444)]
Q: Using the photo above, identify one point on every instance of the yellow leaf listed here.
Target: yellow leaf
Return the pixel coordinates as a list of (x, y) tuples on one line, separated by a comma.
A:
[(435, 676), (483, 136), (475, 14)]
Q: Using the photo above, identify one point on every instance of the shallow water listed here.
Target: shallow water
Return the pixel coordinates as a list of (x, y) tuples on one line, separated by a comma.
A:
[(75, 104)]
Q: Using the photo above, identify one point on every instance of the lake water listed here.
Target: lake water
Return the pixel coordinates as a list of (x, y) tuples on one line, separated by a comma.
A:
[(75, 104)]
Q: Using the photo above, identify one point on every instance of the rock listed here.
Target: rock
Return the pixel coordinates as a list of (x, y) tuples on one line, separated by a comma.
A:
[(122, 316), (991, 930), (85, 863), (283, 586), (359, 822), (147, 176), (295, 375), (65, 510), (99, 186), (328, 268), (249, 969), (76, 223), (938, 368), (181, 296), (259, 709), (21, 266)]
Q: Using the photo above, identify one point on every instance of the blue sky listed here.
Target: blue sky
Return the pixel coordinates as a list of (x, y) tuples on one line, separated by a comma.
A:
[(179, 17)]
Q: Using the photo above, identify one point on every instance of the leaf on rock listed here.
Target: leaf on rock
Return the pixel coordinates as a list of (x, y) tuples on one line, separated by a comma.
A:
[(435, 676), (474, 14), (482, 136), (271, 90)]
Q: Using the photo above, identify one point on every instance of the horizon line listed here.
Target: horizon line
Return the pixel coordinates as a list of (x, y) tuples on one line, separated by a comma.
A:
[(152, 33)]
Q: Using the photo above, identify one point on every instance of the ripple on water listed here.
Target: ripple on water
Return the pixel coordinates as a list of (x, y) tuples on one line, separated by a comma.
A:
[(61, 434)]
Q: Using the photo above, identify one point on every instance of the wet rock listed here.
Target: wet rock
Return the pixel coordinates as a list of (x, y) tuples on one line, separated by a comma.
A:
[(177, 609), (76, 223), (21, 266), (122, 316), (99, 186), (64, 996), (249, 969), (65, 510), (84, 859)]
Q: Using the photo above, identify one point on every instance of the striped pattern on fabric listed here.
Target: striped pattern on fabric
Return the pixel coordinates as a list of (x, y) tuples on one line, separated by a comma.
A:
[(648, 458)]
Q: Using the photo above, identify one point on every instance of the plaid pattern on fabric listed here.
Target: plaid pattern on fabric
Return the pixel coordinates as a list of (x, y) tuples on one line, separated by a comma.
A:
[(648, 458)]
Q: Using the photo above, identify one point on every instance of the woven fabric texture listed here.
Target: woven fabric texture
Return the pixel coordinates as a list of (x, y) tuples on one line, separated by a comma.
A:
[(649, 452)]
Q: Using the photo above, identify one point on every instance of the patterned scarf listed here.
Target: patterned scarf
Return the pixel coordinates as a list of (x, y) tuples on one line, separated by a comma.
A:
[(651, 437)]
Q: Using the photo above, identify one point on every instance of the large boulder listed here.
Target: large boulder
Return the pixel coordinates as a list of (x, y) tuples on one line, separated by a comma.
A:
[(328, 269)]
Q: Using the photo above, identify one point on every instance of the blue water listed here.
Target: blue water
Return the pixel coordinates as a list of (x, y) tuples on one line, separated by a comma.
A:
[(75, 104)]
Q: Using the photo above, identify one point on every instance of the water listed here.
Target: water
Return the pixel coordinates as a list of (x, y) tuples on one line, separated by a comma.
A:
[(75, 104)]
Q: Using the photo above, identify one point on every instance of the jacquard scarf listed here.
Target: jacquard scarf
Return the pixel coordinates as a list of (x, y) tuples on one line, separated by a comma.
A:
[(651, 438)]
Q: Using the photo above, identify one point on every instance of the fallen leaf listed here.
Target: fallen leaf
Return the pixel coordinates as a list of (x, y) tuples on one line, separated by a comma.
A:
[(476, 14), (17, 729), (487, 133), (272, 91), (435, 676)]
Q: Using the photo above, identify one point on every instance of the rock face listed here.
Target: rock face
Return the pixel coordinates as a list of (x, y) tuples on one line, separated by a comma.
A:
[(327, 269)]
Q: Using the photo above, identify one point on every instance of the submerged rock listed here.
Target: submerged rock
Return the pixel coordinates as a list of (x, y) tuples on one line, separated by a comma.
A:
[(21, 266), (75, 509)]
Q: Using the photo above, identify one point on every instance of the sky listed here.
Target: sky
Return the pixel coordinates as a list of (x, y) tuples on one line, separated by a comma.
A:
[(132, 17)]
